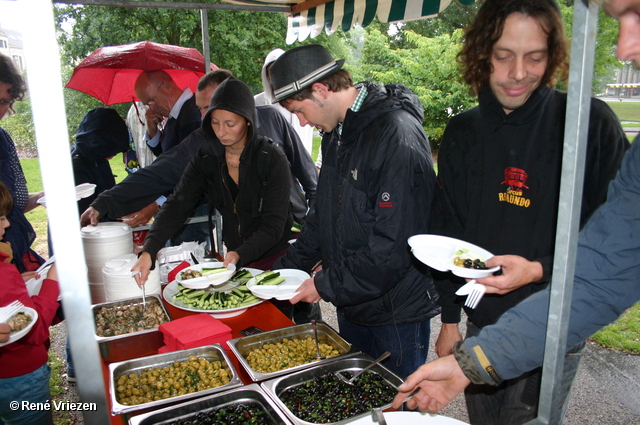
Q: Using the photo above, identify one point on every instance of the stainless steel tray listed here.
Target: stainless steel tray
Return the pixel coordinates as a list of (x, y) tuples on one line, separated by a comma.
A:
[(130, 345), (213, 352), (248, 393), (242, 346), (353, 363)]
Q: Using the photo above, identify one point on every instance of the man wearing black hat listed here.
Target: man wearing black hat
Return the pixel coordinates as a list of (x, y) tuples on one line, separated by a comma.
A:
[(374, 192), (499, 170)]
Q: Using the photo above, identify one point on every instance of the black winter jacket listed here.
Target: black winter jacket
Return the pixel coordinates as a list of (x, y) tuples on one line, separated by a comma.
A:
[(374, 192), (253, 227)]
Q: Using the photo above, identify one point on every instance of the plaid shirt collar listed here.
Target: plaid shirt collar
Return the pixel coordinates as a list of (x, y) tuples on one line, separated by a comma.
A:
[(357, 104)]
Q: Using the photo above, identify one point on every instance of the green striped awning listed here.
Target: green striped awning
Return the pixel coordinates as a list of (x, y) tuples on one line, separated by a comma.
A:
[(344, 13), (331, 15)]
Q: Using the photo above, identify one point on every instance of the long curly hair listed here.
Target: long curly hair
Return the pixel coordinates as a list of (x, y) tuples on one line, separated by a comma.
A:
[(486, 30), (9, 75)]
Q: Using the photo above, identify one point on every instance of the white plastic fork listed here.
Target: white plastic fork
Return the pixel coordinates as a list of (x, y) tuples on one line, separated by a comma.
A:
[(476, 294), (8, 311)]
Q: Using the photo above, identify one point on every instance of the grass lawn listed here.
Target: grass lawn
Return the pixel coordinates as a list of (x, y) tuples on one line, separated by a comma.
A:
[(626, 111)]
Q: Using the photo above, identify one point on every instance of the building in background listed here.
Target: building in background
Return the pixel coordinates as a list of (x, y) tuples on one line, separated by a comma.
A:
[(11, 46)]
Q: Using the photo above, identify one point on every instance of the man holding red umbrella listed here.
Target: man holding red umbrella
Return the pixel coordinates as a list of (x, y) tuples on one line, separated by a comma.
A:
[(165, 99)]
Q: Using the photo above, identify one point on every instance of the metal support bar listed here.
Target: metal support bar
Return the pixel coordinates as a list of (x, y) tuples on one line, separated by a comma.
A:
[(585, 22), (47, 103), (171, 5), (204, 23)]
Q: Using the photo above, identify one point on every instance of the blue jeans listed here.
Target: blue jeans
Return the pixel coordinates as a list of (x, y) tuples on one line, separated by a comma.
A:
[(515, 401), (32, 387), (407, 343)]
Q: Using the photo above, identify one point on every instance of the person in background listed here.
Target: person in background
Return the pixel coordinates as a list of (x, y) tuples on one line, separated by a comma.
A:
[(137, 123), (267, 98), (245, 177), (101, 135), (24, 375), (606, 280), (21, 234), (165, 100), (374, 192), (498, 186), (303, 173)]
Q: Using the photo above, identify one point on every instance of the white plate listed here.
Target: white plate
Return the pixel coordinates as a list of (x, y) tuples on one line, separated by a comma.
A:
[(438, 252), (171, 289), (410, 418), (14, 336), (293, 278), (205, 281), (83, 190)]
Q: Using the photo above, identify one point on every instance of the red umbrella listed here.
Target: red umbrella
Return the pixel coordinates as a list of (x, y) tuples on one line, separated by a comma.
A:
[(109, 73)]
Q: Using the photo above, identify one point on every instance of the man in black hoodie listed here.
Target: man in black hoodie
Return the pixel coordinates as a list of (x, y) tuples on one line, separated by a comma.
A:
[(499, 171), (102, 134), (374, 192)]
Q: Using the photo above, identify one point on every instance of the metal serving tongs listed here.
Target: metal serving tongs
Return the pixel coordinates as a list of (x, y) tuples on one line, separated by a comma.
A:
[(144, 298), (360, 372), (315, 336)]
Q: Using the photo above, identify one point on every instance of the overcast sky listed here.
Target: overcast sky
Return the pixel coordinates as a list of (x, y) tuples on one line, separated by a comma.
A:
[(9, 16)]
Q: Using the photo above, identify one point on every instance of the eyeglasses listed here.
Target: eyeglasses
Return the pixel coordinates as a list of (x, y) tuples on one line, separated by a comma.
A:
[(153, 99)]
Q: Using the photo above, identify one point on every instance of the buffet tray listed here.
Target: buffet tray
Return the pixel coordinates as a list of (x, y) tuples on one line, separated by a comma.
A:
[(213, 352), (353, 363), (243, 345), (248, 393), (134, 344)]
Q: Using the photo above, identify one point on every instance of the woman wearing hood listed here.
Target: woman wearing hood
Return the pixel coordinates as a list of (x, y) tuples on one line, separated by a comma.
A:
[(245, 177)]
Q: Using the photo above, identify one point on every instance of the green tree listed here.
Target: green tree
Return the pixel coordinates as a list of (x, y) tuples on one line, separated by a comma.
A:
[(238, 40), (428, 67)]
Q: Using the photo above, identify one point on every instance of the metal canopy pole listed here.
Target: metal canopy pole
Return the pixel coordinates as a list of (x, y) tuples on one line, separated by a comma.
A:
[(204, 23), (47, 103), (585, 22)]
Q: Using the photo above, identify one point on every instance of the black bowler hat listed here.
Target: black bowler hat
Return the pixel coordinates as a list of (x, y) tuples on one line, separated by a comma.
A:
[(300, 67)]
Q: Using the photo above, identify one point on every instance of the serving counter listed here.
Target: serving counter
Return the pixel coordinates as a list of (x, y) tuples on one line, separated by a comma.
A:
[(264, 316)]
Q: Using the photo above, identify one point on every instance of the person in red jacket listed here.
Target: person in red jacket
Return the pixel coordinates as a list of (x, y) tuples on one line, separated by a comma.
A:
[(24, 373)]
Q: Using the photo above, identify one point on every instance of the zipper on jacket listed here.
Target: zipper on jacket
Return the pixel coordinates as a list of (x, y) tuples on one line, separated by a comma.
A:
[(235, 210)]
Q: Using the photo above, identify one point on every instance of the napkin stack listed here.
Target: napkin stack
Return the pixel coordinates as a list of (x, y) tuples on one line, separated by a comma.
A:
[(193, 331)]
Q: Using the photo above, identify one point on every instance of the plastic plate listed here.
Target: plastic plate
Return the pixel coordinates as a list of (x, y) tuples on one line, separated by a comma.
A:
[(205, 281), (14, 336), (171, 289), (438, 252), (293, 278)]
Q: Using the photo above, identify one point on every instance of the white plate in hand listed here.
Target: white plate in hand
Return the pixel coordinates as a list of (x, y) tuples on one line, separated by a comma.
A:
[(14, 336), (83, 190), (293, 278), (438, 252), (204, 281)]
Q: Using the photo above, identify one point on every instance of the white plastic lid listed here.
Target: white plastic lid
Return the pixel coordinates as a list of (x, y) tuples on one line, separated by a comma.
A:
[(120, 266), (106, 230)]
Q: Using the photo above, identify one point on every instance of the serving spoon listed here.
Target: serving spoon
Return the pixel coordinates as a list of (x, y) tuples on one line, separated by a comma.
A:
[(360, 372)]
